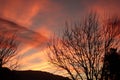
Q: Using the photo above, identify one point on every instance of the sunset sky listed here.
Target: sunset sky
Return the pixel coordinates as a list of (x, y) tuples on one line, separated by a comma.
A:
[(37, 20)]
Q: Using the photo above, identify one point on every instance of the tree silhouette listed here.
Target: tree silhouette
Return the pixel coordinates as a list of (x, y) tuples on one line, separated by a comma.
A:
[(81, 49), (8, 48)]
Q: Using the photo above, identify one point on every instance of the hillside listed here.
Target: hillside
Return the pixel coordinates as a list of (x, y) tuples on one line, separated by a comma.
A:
[(6, 74)]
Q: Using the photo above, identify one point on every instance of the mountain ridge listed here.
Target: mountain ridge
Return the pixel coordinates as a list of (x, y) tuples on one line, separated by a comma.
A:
[(7, 74)]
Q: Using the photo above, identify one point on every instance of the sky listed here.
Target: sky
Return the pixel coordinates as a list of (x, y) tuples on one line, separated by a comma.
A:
[(37, 20)]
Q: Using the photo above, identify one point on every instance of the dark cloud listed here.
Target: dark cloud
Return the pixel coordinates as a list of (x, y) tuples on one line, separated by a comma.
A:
[(23, 34)]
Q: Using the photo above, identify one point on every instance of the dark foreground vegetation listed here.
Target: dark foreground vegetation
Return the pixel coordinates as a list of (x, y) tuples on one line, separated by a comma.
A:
[(7, 74), (111, 68)]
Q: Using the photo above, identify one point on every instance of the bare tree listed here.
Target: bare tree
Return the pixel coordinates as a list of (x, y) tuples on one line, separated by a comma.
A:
[(8, 49), (81, 49)]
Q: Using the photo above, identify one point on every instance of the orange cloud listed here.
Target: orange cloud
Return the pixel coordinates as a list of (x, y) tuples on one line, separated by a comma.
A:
[(22, 11), (45, 31), (39, 57)]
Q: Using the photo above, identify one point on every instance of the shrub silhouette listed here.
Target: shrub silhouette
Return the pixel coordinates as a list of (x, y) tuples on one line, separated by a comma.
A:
[(5, 74), (112, 65)]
